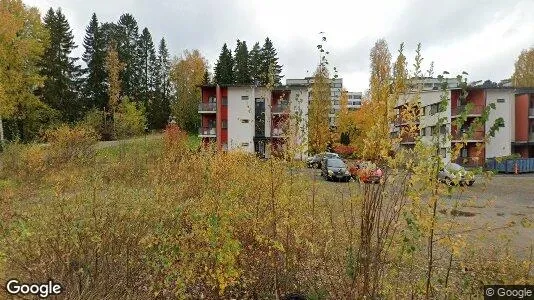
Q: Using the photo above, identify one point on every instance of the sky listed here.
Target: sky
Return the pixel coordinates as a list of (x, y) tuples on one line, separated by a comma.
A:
[(480, 37)]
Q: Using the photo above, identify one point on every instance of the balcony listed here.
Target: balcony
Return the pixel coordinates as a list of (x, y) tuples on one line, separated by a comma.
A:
[(470, 161), (478, 136), (278, 132), (207, 107), (207, 132), (407, 139), (476, 110), (399, 121), (278, 109), (531, 113)]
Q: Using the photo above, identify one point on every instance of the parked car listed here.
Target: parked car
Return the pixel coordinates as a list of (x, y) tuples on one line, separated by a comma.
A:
[(366, 172), (335, 169), (317, 160), (455, 174)]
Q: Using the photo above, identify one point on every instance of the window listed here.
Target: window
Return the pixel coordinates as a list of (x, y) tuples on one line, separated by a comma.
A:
[(463, 152), (244, 144), (224, 124), (244, 98), (225, 101), (336, 102), (212, 99), (433, 130), (500, 100), (423, 131), (244, 121), (428, 131), (443, 129), (443, 152), (433, 109)]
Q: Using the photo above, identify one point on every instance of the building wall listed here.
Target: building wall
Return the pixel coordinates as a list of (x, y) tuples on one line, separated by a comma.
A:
[(521, 118), (501, 144), (240, 134)]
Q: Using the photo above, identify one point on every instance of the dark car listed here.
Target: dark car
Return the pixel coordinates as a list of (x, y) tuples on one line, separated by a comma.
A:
[(317, 160), (335, 169)]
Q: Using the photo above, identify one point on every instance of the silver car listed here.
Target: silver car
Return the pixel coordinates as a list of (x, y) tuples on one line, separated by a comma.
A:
[(455, 174)]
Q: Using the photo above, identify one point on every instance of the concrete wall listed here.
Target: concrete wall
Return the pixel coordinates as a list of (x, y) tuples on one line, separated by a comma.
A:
[(238, 111), (501, 144)]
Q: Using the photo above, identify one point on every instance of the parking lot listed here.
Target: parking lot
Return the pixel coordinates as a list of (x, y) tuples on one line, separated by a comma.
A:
[(498, 208)]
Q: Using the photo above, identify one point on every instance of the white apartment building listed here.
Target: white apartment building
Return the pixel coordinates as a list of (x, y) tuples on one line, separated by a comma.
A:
[(254, 119)]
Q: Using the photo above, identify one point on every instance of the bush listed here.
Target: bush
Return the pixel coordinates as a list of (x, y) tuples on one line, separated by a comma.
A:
[(344, 150), (94, 119), (71, 143), (130, 119), (23, 161)]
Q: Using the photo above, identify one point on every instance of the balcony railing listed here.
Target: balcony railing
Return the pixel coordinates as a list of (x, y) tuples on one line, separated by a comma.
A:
[(476, 136), (207, 131), (401, 121), (476, 110), (280, 109), (207, 107), (531, 112)]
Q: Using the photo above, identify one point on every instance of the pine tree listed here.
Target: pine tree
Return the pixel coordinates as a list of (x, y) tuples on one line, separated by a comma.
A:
[(242, 64), (159, 109), (207, 79), (147, 56), (94, 57), (255, 63), (270, 64), (62, 83), (224, 73)]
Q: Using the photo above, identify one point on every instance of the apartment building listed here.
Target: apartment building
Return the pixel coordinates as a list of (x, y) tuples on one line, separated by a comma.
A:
[(254, 119), (336, 86), (515, 106), (355, 100)]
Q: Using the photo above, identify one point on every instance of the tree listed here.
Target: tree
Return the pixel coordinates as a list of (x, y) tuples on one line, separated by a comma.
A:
[(345, 120), (127, 46), (94, 57), (207, 79), (187, 73), (376, 140), (113, 66), (255, 63), (159, 108), (23, 40), (524, 69), (242, 64), (62, 83), (224, 68), (147, 56), (318, 115), (269, 64)]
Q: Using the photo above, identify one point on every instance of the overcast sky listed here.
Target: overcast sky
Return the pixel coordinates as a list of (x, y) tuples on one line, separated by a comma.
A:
[(480, 37)]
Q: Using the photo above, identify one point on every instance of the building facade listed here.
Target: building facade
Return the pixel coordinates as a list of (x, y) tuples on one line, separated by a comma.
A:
[(254, 119), (514, 106)]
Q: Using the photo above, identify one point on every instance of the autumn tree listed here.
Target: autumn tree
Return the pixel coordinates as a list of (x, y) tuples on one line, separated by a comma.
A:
[(524, 69), (114, 67), (187, 73), (318, 115), (23, 40), (345, 120), (94, 88), (224, 68)]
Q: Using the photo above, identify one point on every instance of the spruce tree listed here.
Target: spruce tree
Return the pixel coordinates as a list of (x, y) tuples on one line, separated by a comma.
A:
[(207, 79), (127, 39), (242, 64), (147, 56), (255, 63), (224, 73), (62, 83), (94, 57), (270, 66), (159, 109)]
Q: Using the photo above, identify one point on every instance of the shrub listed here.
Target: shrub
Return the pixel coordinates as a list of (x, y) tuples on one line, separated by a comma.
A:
[(71, 143), (94, 119), (130, 119), (23, 161), (344, 150)]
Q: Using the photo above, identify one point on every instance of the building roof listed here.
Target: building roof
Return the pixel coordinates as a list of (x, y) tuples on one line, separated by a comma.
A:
[(275, 88)]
